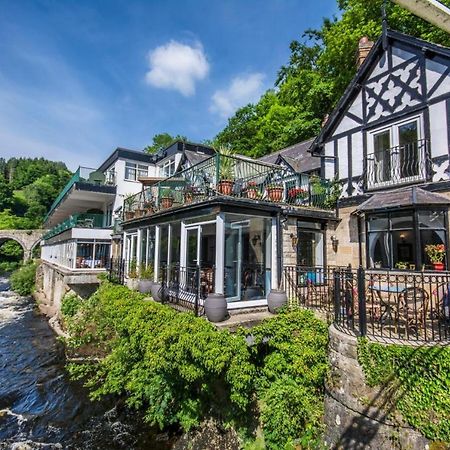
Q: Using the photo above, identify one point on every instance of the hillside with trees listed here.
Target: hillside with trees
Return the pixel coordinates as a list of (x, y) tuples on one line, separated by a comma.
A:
[(320, 67)]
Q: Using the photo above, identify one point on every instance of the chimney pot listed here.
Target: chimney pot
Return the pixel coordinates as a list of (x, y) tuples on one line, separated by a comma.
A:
[(364, 47)]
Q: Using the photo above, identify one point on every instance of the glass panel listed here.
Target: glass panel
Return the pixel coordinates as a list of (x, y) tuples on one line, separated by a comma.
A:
[(232, 262), (379, 254), (431, 237), (208, 246), (85, 254), (151, 247), (143, 255), (192, 247), (378, 223), (175, 243), (403, 250), (409, 155), (402, 221), (310, 248), (382, 156), (163, 245), (130, 171), (101, 255), (431, 219)]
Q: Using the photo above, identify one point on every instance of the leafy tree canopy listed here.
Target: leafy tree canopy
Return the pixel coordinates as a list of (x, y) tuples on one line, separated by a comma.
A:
[(319, 69), (163, 140)]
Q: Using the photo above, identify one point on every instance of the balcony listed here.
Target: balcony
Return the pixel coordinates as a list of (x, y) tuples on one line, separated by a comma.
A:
[(403, 164), (233, 177), (77, 221)]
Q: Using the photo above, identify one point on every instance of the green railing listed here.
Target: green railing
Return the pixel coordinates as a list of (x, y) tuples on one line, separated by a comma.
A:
[(85, 220), (84, 175), (234, 177)]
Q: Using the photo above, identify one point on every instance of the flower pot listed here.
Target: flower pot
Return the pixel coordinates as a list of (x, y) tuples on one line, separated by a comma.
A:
[(225, 187), (144, 286), (438, 266), (139, 212), (166, 202), (276, 300), (216, 307), (188, 197), (252, 193), (155, 289), (275, 194), (129, 215)]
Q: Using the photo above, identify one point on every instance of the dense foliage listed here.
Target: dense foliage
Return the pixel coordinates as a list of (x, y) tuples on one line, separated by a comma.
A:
[(417, 379), (180, 369), (11, 255), (319, 69), (28, 187), (161, 141), (23, 279)]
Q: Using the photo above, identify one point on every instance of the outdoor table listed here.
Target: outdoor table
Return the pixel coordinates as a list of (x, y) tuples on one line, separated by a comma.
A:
[(389, 304)]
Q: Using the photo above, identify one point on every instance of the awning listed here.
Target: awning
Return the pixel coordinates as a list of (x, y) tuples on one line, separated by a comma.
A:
[(402, 198)]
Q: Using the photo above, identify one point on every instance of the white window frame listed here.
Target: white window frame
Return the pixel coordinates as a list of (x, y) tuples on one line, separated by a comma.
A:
[(394, 139), (140, 170), (167, 168)]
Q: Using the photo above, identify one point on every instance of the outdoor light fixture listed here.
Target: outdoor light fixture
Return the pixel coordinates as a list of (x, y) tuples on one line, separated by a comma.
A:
[(294, 240), (334, 242)]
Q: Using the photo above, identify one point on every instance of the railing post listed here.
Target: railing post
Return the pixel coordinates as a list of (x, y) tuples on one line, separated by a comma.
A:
[(197, 290), (336, 294), (362, 301)]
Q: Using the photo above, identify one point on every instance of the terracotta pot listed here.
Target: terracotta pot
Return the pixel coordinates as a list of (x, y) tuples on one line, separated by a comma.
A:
[(144, 286), (252, 193), (166, 202), (139, 212), (275, 194), (438, 266), (276, 299), (188, 197), (225, 187), (216, 307), (129, 215)]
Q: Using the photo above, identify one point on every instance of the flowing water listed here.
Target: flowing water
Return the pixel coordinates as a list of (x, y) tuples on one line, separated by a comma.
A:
[(40, 408)]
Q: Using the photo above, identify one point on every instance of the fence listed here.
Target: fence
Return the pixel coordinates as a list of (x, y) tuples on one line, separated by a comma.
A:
[(116, 270), (392, 305), (187, 287)]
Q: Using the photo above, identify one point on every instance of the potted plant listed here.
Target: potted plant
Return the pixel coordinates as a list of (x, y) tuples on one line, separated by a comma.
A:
[(378, 264), (128, 203), (226, 171), (189, 193), (276, 299), (436, 253), (297, 195), (401, 265), (251, 190), (275, 192), (145, 279), (166, 198), (132, 281), (148, 207)]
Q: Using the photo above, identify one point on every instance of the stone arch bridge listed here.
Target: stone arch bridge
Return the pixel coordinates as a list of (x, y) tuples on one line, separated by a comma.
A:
[(28, 239)]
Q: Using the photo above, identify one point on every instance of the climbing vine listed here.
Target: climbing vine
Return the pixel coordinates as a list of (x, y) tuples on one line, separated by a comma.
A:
[(419, 378)]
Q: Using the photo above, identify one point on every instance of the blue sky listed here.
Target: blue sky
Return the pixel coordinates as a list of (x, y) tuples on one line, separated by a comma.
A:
[(79, 78)]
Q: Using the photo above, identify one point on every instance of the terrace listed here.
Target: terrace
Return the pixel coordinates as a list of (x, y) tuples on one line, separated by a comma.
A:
[(233, 177), (85, 220)]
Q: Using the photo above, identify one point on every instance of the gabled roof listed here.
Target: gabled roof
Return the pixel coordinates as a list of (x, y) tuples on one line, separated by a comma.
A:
[(402, 198), (297, 156), (119, 152), (355, 85)]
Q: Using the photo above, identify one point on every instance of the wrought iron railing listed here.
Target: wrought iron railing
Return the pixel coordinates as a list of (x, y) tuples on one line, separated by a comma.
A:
[(233, 177), (116, 270), (398, 165), (85, 220), (412, 306)]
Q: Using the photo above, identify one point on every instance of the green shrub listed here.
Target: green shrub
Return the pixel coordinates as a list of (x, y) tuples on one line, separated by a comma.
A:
[(70, 305), (23, 279), (417, 381)]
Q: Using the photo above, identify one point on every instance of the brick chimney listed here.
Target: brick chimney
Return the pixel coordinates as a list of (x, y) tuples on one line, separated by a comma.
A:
[(364, 47)]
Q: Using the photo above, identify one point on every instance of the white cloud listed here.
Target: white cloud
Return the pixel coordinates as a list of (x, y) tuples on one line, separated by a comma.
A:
[(177, 66), (241, 91)]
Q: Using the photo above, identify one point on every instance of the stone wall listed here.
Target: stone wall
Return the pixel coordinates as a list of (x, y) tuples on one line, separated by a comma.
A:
[(346, 232), (289, 250), (357, 416)]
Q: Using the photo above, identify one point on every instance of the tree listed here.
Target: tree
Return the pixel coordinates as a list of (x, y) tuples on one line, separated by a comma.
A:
[(162, 141)]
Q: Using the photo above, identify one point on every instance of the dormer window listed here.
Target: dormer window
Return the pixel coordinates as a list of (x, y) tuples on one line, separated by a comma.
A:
[(135, 171), (167, 169)]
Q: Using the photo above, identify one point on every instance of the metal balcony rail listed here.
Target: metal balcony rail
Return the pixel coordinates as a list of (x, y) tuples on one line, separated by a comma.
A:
[(233, 177), (85, 220), (402, 164), (389, 305), (84, 175)]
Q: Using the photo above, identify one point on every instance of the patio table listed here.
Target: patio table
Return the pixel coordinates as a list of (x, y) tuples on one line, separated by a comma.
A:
[(389, 304)]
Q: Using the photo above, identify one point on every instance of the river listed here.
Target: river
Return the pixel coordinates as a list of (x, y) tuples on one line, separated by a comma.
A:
[(40, 407)]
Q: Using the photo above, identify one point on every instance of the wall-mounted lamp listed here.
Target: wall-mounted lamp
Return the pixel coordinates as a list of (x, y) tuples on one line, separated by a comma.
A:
[(255, 239), (334, 243), (294, 239)]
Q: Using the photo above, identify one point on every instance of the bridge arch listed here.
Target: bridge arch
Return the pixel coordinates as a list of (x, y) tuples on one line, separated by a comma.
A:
[(27, 239)]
